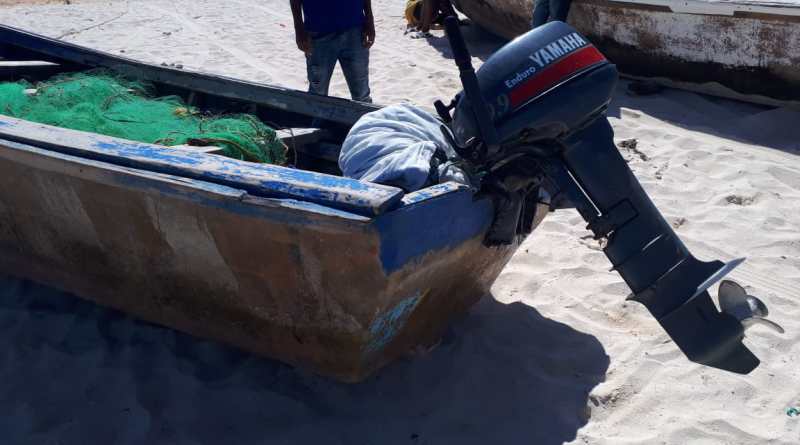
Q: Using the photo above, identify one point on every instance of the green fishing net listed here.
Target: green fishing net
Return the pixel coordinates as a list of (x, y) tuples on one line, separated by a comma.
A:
[(103, 103)]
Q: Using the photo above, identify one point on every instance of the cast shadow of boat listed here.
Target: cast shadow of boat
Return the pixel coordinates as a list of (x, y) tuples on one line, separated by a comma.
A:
[(79, 373), (765, 126)]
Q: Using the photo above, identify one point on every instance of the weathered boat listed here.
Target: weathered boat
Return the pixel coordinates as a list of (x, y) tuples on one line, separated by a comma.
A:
[(329, 273), (742, 49), (332, 274)]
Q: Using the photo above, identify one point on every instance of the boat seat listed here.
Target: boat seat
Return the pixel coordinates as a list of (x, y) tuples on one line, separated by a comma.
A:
[(10, 69), (311, 142), (206, 149)]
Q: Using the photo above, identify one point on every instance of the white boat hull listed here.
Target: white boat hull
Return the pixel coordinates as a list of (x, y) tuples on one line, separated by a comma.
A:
[(735, 49)]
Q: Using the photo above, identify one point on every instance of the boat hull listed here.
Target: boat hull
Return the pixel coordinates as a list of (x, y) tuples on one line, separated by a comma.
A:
[(746, 52), (336, 293)]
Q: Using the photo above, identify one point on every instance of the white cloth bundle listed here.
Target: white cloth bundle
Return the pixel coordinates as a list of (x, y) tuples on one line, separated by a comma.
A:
[(396, 146)]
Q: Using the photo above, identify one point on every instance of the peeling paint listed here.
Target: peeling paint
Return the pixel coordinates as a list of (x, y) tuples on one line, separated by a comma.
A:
[(265, 180), (386, 327), (431, 192), (448, 221)]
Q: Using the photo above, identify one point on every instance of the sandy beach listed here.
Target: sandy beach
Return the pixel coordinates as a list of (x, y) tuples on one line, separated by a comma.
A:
[(555, 355)]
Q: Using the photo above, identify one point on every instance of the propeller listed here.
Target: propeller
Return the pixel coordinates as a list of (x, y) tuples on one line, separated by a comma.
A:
[(749, 310)]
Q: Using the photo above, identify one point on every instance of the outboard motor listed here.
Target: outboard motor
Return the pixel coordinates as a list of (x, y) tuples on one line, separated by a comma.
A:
[(531, 127)]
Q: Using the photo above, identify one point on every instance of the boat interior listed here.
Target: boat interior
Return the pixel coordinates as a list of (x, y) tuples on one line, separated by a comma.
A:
[(313, 144)]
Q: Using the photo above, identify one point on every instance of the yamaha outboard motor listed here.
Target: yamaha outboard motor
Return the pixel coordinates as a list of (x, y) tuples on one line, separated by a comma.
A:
[(531, 127)]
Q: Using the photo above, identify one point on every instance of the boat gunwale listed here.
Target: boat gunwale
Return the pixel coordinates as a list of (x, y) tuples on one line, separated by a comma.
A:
[(203, 192), (395, 201), (266, 180)]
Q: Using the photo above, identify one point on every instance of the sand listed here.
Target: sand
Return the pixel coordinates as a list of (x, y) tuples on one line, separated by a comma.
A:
[(555, 354), (35, 2)]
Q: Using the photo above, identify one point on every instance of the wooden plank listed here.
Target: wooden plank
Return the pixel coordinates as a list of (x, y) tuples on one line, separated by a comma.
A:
[(109, 174), (264, 180), (207, 149), (201, 192), (302, 136), (310, 141), (25, 63), (15, 68)]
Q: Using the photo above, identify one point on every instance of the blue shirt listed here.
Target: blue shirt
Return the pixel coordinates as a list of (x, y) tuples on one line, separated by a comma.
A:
[(327, 16)]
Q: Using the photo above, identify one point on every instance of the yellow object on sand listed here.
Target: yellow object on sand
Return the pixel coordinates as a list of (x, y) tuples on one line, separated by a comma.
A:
[(411, 6)]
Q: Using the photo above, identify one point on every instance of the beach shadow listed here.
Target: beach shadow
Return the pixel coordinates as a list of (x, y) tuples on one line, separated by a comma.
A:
[(77, 373), (480, 42), (728, 119)]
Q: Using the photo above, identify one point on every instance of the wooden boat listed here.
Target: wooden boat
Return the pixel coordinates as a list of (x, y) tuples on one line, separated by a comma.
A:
[(742, 49), (334, 275)]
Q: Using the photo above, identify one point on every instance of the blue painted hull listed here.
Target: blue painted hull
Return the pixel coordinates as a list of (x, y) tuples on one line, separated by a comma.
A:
[(334, 275)]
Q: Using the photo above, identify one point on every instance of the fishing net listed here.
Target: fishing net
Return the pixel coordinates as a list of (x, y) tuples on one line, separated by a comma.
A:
[(103, 103)]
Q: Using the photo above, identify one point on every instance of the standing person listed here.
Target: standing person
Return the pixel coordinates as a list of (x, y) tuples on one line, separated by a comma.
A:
[(328, 31), (548, 10)]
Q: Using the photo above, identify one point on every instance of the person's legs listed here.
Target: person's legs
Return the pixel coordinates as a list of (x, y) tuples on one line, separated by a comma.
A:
[(446, 7), (541, 13), (320, 64), (559, 9), (354, 60)]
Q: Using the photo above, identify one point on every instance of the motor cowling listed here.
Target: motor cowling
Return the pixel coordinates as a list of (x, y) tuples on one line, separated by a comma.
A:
[(549, 82)]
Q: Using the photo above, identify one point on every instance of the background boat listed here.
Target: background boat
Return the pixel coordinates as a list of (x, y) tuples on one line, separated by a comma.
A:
[(747, 50)]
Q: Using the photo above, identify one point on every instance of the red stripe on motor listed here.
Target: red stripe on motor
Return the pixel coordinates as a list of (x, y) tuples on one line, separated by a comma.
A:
[(554, 73)]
